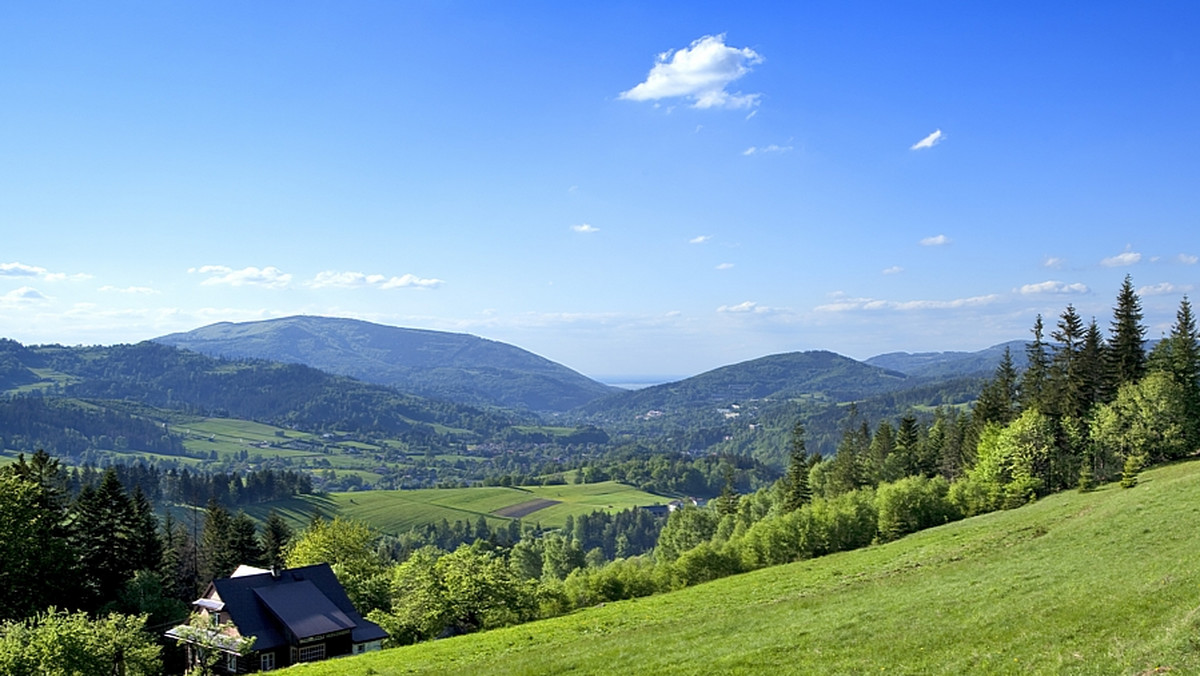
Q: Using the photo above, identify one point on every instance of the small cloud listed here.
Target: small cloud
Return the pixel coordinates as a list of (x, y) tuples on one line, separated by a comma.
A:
[(270, 277), (699, 239), (1053, 262), (133, 290), (929, 141), (773, 148), (1187, 259), (871, 304), (585, 228), (23, 296), (894, 270), (20, 270), (355, 280), (937, 240), (752, 114), (1164, 289), (1052, 286), (1125, 258), (725, 266), (699, 72), (745, 307)]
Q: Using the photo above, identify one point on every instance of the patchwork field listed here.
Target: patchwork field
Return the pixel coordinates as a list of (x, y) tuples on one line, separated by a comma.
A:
[(398, 511), (1099, 583)]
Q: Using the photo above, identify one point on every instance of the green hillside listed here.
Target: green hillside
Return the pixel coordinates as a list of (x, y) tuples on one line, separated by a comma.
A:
[(395, 512), (453, 366), (1098, 583)]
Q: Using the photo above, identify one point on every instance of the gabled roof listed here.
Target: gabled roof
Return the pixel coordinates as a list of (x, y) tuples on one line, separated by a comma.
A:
[(296, 602)]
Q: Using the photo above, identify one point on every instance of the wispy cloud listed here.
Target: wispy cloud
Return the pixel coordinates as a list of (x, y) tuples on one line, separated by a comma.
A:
[(132, 290), (1126, 257), (725, 266), (894, 270), (699, 72), (871, 304), (700, 239), (1053, 286), (773, 148), (936, 240), (22, 270), (1164, 289), (1053, 262), (22, 296), (585, 228), (929, 141), (357, 280), (270, 277), (745, 307), (1188, 259)]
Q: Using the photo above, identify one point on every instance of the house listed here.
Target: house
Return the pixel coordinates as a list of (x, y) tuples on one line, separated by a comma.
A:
[(295, 615)]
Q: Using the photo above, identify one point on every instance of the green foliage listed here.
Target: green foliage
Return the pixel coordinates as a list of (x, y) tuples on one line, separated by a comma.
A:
[(1126, 349), (686, 528), (1130, 471), (1148, 418), (56, 643), (37, 566), (912, 504), (348, 547), (207, 643)]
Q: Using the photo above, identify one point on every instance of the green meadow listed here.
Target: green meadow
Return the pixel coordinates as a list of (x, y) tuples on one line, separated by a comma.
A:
[(398, 511), (1106, 582)]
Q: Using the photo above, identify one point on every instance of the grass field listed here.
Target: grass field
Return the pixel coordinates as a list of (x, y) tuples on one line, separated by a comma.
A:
[(1100, 583), (398, 511)]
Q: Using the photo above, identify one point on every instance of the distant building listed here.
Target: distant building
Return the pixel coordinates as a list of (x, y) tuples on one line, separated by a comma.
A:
[(295, 615)]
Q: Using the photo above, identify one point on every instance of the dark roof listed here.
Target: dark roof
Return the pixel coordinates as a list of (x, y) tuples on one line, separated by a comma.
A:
[(302, 602)]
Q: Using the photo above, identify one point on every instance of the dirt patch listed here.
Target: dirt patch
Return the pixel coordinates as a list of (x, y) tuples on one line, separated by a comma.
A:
[(523, 509)]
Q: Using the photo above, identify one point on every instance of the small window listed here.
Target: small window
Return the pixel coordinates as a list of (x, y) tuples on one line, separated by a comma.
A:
[(266, 662), (231, 664), (312, 653)]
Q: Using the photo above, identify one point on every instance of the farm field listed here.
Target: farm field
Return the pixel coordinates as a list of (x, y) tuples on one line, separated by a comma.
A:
[(398, 511), (1098, 583)]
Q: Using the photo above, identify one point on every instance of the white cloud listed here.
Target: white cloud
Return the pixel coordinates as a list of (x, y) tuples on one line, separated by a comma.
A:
[(1125, 258), (136, 290), (270, 277), (871, 304), (725, 266), (1053, 262), (585, 228), (1053, 287), (1188, 259), (929, 141), (20, 270), (699, 72), (700, 239), (22, 296), (745, 307), (936, 240), (894, 270), (354, 280), (1164, 289), (773, 148)]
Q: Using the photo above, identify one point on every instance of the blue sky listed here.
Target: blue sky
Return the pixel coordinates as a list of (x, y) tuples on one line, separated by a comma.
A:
[(626, 188)]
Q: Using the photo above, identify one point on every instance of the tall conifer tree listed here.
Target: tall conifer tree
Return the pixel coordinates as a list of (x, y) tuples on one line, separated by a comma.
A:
[(1127, 344), (796, 489), (1033, 381)]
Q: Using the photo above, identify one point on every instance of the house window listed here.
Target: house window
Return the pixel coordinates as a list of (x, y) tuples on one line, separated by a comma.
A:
[(312, 653), (231, 664), (266, 662)]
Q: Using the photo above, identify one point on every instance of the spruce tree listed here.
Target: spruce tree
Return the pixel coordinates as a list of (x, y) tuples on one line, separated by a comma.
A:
[(1033, 381), (795, 482), (1179, 356), (104, 535), (217, 559), (1127, 345), (998, 401), (274, 538), (1065, 376), (1093, 369)]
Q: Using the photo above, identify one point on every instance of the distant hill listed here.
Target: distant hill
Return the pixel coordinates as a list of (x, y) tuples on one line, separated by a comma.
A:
[(825, 374), (951, 364), (454, 366)]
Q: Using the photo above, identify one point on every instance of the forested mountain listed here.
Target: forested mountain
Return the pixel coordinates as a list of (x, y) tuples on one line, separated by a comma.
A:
[(950, 364), (454, 366), (285, 394)]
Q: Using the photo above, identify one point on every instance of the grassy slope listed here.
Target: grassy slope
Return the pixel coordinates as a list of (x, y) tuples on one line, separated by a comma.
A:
[(1102, 583), (398, 511)]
